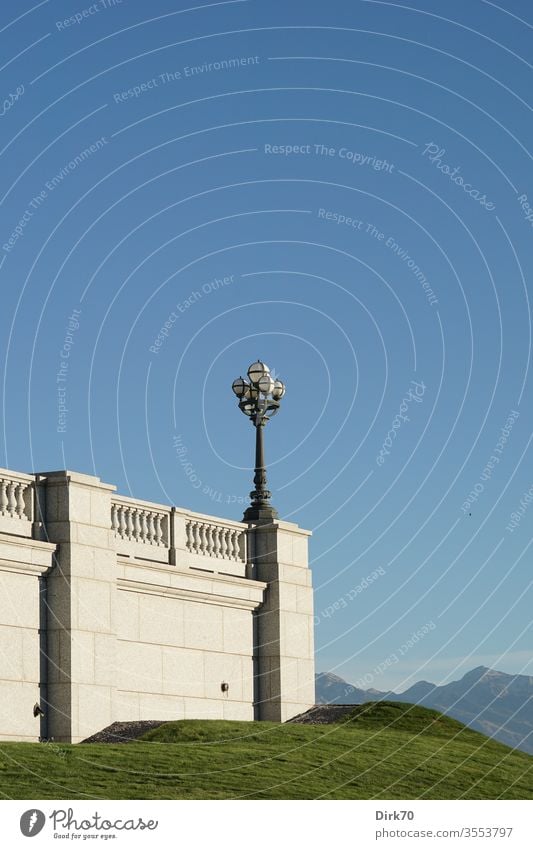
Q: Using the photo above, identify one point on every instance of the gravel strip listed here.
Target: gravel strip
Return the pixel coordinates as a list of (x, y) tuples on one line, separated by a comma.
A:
[(323, 714), (123, 732)]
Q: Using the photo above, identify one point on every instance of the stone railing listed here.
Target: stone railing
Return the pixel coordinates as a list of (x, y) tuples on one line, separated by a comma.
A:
[(17, 493), (154, 532), (212, 539), (141, 529), (209, 544)]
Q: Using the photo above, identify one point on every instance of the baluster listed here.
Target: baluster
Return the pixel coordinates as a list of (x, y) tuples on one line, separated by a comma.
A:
[(124, 511), (144, 526), (222, 534), (137, 525), (235, 542), (216, 541), (11, 500), (242, 546), (158, 529), (196, 537), (122, 522), (129, 523), (203, 538), (188, 542), (210, 541), (3, 497), (151, 529), (164, 531), (19, 500), (114, 518)]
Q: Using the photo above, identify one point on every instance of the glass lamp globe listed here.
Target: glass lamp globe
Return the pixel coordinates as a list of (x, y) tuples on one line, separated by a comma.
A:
[(266, 384), (241, 388), (257, 370), (278, 390)]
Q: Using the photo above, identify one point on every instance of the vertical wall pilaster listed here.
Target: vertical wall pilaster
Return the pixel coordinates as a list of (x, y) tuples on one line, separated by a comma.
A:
[(81, 627), (285, 669)]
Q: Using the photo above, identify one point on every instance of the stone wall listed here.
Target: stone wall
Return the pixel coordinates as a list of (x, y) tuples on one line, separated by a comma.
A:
[(23, 562), (117, 609)]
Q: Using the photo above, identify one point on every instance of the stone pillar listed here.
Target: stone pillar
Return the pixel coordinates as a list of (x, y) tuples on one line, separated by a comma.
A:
[(284, 650), (81, 597)]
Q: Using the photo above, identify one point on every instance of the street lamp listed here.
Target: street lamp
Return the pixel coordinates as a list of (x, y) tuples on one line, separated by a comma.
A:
[(259, 399)]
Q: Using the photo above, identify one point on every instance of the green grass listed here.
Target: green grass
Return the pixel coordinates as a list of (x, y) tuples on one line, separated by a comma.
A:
[(383, 750)]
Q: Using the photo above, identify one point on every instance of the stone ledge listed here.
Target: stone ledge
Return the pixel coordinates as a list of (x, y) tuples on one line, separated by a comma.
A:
[(200, 596), (58, 477), (29, 556)]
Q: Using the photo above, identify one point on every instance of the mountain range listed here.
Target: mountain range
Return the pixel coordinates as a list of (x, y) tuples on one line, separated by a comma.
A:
[(497, 704)]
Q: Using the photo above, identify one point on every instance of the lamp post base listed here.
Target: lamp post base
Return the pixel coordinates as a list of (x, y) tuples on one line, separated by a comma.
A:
[(263, 513)]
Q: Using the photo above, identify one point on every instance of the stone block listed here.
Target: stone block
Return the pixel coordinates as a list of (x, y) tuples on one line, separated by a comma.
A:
[(140, 667), (296, 632), (183, 672), (289, 679), (92, 611), (60, 601), (62, 710), (79, 504), (268, 632), (19, 599), (82, 656), (238, 630), (157, 706), (90, 536), (238, 712), (161, 620), (127, 706), (268, 682), (59, 532), (300, 551), (304, 600), (128, 627), (17, 699), (11, 654), (59, 650), (287, 573), (306, 681), (178, 533), (30, 655), (94, 710), (247, 665), (203, 628), (204, 708), (100, 508), (106, 670), (104, 565), (287, 594)]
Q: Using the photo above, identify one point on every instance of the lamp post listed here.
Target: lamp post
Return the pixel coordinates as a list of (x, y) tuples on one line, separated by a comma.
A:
[(259, 399)]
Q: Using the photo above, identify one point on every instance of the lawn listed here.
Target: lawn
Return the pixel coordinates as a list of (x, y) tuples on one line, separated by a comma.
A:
[(384, 750)]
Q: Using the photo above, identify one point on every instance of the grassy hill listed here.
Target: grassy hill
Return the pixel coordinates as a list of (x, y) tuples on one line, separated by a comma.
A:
[(382, 750)]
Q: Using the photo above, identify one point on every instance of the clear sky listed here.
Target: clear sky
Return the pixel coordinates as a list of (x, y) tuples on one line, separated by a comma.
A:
[(342, 189)]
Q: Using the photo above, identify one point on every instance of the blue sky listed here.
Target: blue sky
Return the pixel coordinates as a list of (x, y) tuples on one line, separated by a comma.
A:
[(344, 190)]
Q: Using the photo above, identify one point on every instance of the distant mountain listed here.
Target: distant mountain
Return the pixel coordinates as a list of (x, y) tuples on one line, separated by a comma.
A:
[(497, 704), (330, 689)]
